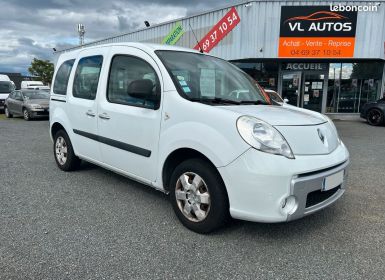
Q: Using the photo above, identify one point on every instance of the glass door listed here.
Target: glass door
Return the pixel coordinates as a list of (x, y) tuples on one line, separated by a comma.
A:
[(291, 87), (312, 91)]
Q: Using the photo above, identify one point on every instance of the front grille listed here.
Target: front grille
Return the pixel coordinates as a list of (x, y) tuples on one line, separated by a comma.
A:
[(319, 196), (42, 113), (320, 171)]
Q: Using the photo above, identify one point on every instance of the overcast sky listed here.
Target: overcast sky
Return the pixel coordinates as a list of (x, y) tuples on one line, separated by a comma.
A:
[(31, 28)]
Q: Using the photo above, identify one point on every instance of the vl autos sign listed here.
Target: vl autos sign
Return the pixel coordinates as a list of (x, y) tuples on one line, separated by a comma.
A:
[(316, 32), (175, 34)]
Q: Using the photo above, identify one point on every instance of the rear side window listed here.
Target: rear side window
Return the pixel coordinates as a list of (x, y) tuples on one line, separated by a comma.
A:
[(61, 80), (87, 77), (125, 70)]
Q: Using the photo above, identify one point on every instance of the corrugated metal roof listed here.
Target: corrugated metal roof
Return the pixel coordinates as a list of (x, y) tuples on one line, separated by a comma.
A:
[(257, 34)]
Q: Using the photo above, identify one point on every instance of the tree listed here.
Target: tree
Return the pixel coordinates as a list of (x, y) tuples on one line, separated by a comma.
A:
[(42, 69)]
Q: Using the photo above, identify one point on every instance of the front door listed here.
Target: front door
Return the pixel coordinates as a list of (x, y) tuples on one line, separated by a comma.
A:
[(17, 105), (129, 124), (312, 91)]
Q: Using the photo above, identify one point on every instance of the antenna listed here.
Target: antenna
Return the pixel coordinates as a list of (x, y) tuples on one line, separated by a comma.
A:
[(81, 31), (200, 48)]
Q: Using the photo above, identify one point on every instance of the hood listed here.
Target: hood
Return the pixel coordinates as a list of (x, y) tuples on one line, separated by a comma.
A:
[(279, 115), (41, 102)]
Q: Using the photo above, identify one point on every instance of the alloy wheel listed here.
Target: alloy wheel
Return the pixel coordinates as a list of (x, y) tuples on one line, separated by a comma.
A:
[(61, 150), (192, 196), (374, 117), (26, 114)]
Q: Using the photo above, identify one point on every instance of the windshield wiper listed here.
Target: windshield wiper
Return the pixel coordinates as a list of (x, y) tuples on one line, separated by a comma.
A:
[(217, 100), (254, 102)]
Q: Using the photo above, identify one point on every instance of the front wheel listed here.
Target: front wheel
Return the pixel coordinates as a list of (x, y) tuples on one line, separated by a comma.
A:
[(7, 113), (26, 114), (198, 196), (65, 157), (375, 117)]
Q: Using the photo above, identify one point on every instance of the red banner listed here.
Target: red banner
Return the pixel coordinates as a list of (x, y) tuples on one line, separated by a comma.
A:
[(219, 31)]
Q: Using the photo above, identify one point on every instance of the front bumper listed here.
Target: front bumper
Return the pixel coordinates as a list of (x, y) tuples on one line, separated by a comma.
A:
[(309, 196), (258, 184), (39, 113)]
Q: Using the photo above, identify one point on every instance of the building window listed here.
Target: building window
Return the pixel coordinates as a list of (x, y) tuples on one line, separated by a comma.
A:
[(265, 73), (351, 85)]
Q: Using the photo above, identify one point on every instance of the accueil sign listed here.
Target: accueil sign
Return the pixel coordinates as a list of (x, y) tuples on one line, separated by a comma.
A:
[(304, 66)]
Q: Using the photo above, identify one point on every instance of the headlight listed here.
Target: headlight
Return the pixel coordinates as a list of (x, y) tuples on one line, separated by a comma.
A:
[(333, 126), (262, 136)]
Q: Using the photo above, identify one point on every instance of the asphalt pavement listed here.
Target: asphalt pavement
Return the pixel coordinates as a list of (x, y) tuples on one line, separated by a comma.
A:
[(94, 224)]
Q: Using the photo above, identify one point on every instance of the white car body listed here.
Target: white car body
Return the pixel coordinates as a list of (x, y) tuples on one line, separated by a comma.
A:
[(4, 78), (3, 96), (261, 187), (34, 85)]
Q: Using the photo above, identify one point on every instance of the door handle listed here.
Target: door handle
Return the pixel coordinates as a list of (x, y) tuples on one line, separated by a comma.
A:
[(104, 116), (90, 113)]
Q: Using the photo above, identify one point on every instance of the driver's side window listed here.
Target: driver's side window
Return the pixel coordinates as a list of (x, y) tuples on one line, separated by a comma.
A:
[(17, 96), (125, 70)]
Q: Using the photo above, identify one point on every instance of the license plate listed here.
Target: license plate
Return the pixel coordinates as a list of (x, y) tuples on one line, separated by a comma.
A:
[(333, 181)]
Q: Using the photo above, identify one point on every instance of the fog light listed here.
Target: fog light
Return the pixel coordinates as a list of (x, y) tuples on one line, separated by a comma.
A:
[(289, 205)]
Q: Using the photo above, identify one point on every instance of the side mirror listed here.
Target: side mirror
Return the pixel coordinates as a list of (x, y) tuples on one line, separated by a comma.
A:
[(286, 100), (141, 89)]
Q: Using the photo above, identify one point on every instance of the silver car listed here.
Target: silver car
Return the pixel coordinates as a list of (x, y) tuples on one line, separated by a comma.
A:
[(27, 103)]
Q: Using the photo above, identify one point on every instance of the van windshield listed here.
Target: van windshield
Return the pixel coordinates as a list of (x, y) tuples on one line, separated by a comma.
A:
[(6, 87), (204, 78)]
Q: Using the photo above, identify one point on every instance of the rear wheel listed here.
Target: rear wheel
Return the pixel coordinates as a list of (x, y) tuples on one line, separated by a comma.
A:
[(65, 157), (26, 114), (7, 113), (375, 117), (198, 196)]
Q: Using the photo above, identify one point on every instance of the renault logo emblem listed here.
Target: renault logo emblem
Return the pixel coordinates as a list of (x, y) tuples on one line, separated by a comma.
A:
[(321, 135)]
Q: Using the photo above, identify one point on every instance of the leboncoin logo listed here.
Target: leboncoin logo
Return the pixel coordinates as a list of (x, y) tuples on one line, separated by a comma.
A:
[(319, 22)]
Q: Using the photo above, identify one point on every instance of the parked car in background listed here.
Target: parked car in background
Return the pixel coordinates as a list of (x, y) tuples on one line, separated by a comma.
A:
[(6, 87), (27, 103), (6, 78), (34, 85), (374, 112), (274, 96), (197, 127)]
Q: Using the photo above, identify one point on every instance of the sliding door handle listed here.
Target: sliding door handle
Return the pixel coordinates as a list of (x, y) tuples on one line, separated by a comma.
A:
[(90, 113)]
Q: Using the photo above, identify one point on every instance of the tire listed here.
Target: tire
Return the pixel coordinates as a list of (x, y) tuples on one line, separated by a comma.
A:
[(375, 117), (7, 113), (63, 151), (209, 200), (26, 115)]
